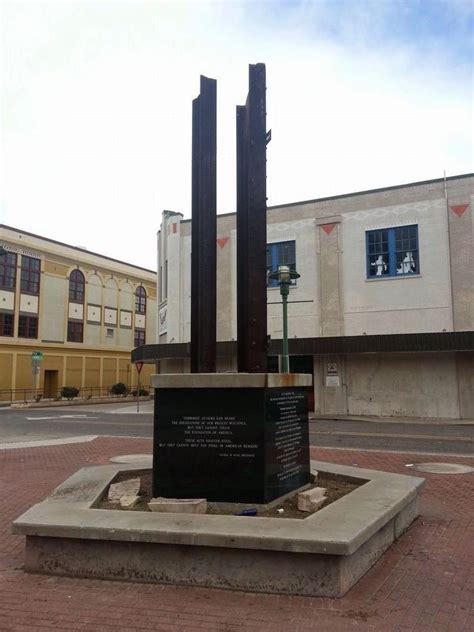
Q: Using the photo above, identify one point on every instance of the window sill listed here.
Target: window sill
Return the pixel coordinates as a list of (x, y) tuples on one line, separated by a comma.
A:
[(396, 277)]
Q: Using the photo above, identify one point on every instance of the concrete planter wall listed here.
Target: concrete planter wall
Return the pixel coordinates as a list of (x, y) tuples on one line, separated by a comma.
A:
[(322, 555)]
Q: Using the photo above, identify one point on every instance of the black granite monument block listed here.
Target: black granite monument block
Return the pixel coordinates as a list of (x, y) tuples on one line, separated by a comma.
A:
[(239, 445)]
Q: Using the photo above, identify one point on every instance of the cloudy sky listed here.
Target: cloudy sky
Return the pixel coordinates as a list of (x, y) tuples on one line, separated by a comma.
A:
[(96, 105)]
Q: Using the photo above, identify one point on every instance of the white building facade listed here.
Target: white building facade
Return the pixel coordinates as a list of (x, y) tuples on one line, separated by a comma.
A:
[(383, 313)]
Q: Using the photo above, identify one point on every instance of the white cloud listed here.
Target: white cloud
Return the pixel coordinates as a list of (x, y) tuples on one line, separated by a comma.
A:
[(97, 103)]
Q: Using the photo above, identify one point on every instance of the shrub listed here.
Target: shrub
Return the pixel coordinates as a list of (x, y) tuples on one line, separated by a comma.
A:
[(69, 392), (119, 389), (142, 392)]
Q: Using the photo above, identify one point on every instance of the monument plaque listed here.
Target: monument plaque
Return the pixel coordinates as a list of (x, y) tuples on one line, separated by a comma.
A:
[(240, 445), (286, 441), (215, 433)]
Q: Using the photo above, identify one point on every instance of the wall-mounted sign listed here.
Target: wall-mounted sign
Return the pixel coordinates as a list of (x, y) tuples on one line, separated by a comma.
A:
[(333, 380), (163, 320), (332, 368)]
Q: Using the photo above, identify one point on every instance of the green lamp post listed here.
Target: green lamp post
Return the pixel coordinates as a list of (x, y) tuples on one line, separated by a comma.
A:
[(284, 276)]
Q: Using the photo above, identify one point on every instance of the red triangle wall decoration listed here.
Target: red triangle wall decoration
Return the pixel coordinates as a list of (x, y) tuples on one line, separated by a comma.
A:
[(328, 228), (459, 209), (222, 241)]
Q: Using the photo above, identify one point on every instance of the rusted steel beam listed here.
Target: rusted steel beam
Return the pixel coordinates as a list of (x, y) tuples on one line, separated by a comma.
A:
[(203, 235), (242, 242), (252, 226)]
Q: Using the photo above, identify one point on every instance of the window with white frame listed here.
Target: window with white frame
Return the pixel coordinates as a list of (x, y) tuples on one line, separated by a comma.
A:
[(392, 252), (282, 253)]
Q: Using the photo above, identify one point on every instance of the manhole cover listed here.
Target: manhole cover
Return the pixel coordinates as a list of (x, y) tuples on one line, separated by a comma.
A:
[(443, 468), (141, 459)]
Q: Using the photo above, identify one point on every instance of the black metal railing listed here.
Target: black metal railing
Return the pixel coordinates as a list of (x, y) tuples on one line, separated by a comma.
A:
[(25, 395)]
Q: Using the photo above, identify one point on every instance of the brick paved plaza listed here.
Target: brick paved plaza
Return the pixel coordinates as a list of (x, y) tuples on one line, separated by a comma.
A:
[(424, 582)]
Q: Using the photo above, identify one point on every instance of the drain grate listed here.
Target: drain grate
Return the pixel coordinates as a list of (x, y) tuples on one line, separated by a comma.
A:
[(141, 459), (443, 468)]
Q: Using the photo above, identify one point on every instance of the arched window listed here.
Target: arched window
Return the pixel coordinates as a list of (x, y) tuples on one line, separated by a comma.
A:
[(140, 300), (76, 287)]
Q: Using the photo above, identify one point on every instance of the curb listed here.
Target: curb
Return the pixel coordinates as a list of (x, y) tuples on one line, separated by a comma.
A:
[(80, 402)]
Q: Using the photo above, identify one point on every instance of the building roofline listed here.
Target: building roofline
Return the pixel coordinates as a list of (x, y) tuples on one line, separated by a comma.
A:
[(62, 243), (357, 193), (380, 190)]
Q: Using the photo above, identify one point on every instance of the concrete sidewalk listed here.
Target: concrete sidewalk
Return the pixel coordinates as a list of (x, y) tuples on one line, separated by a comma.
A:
[(66, 403), (395, 420), (424, 582)]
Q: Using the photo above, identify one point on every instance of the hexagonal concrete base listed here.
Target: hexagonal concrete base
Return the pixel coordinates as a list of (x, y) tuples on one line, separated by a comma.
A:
[(322, 555)]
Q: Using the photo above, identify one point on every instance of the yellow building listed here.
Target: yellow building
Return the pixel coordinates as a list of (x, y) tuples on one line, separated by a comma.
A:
[(83, 311)]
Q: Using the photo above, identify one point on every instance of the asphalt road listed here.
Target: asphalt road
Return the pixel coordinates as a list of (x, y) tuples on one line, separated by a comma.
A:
[(122, 420), (114, 419)]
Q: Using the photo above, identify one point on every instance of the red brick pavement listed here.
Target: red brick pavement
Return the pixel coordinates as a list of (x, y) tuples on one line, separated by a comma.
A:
[(424, 582)]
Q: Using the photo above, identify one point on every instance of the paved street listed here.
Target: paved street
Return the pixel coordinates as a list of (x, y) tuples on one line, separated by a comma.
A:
[(423, 583), (117, 419), (112, 419)]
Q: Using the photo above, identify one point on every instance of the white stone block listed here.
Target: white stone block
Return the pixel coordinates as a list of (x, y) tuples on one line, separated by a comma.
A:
[(311, 499), (110, 316), (124, 488), (76, 310), (28, 304), (178, 505), (129, 501)]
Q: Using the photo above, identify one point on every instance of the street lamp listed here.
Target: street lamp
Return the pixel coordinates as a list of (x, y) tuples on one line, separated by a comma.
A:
[(284, 276)]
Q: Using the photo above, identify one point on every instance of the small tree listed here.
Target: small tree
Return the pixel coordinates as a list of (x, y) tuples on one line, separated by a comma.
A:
[(69, 392), (119, 389)]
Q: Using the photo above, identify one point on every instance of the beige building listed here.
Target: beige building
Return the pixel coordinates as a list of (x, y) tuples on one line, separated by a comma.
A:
[(383, 314), (83, 311)]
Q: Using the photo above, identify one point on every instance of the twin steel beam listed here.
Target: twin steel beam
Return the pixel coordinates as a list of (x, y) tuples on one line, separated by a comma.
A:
[(203, 236), (252, 227)]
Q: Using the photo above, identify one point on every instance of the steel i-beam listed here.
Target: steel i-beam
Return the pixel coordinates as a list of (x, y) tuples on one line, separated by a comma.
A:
[(203, 237), (252, 226)]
